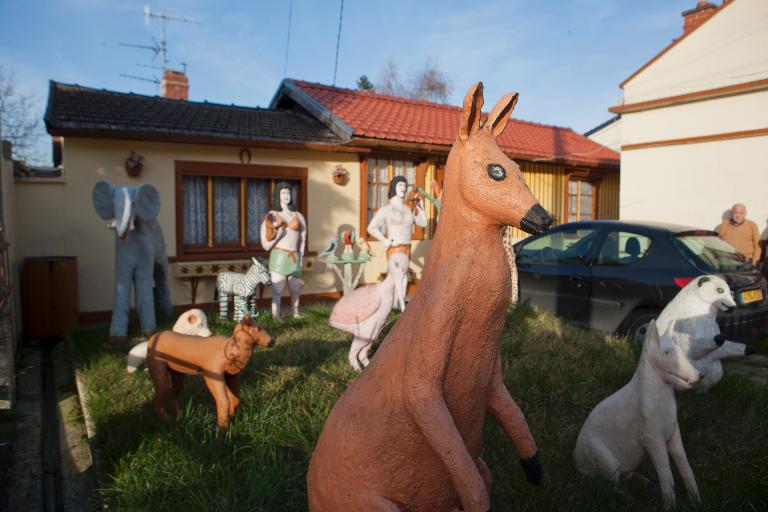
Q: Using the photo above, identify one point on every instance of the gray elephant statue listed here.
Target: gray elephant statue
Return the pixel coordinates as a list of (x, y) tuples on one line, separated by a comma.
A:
[(140, 258)]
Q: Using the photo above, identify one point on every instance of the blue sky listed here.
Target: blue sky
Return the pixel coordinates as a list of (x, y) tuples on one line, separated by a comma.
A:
[(566, 58)]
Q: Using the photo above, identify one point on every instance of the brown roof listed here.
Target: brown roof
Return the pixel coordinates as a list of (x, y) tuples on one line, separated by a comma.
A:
[(74, 109), (376, 116)]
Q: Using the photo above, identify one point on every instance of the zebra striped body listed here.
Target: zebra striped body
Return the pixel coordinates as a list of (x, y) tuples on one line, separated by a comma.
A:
[(242, 287)]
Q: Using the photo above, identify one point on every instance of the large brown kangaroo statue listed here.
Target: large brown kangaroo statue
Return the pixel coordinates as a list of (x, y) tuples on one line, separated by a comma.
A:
[(407, 434)]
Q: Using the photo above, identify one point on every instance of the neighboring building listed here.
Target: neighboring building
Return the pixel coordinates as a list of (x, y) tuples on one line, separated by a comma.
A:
[(225, 159), (694, 121), (608, 134)]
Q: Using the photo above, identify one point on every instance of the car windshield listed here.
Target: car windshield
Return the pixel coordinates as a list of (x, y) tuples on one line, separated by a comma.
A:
[(710, 253)]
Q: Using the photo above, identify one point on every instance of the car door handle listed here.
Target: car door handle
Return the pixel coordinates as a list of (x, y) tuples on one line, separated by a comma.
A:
[(579, 282)]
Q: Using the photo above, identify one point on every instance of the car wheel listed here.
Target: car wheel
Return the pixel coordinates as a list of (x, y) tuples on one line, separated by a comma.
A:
[(637, 326)]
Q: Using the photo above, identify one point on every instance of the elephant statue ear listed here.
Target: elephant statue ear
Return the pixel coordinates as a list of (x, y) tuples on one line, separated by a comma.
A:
[(102, 200), (146, 203)]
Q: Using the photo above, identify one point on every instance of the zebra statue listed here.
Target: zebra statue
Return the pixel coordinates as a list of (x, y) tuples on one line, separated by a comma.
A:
[(242, 286)]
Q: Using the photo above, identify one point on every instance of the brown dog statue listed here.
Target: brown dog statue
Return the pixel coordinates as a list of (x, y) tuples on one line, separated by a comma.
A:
[(408, 432), (219, 359)]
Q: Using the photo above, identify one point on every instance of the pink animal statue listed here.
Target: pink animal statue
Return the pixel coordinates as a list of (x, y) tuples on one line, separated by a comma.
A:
[(364, 311), (408, 432), (192, 322)]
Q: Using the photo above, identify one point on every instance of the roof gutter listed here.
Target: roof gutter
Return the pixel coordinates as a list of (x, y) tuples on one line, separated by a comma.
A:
[(315, 108)]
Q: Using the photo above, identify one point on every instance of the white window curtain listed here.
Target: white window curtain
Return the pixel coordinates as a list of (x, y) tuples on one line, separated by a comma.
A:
[(195, 214), (225, 211), (258, 206)]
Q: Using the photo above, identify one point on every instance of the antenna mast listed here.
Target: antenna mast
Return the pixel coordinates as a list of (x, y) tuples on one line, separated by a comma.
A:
[(158, 47)]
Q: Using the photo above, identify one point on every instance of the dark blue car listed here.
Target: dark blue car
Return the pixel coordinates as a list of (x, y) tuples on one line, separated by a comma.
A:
[(618, 276)]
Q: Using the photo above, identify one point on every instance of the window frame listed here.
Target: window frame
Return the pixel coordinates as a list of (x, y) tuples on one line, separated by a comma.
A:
[(202, 252), (420, 165), (595, 179)]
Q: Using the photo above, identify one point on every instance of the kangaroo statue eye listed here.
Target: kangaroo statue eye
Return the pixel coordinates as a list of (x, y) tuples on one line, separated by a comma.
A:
[(496, 172)]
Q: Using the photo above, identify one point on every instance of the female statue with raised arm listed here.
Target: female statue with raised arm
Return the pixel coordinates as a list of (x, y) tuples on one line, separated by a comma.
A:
[(284, 234), (392, 225)]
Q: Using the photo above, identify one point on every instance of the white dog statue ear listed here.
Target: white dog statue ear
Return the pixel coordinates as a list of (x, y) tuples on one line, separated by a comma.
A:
[(703, 280)]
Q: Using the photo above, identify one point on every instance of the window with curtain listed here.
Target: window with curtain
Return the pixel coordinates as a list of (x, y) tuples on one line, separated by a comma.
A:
[(582, 200), (380, 172), (222, 214)]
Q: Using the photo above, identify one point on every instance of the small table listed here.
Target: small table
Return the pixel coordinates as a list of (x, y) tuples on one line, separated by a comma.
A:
[(348, 283)]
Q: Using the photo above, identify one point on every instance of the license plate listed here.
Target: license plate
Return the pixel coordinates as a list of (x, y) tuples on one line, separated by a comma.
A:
[(751, 296)]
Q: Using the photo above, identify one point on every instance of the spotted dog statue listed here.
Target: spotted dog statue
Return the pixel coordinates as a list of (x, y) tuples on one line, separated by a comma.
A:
[(640, 419), (693, 312), (219, 359), (192, 322)]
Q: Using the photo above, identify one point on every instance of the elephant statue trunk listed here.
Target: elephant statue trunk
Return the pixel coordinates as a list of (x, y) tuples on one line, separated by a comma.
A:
[(140, 257)]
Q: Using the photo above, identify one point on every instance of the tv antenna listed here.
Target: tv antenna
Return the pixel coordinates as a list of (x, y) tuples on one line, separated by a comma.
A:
[(157, 47)]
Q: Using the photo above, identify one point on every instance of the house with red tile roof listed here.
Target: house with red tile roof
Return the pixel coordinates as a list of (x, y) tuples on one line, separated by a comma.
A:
[(693, 127), (215, 166), (574, 177)]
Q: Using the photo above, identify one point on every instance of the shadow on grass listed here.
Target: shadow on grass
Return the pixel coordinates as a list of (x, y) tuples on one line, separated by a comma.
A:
[(556, 371)]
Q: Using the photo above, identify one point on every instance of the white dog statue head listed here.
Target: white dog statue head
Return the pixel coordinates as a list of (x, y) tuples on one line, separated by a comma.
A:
[(712, 290), (669, 359), (192, 322)]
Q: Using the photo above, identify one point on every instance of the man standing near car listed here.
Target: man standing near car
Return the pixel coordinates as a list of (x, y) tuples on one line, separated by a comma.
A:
[(741, 233)]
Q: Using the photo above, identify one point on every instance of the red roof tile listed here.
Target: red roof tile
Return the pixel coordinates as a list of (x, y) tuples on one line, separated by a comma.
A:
[(372, 115)]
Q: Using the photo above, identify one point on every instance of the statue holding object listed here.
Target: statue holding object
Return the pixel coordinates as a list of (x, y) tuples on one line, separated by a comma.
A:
[(392, 225), (284, 234), (413, 420)]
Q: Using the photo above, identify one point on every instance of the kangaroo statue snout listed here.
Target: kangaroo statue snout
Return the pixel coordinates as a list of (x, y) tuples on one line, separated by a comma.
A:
[(408, 432), (536, 220)]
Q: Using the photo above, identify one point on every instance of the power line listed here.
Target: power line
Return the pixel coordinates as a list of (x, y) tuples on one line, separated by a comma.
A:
[(288, 39), (338, 43)]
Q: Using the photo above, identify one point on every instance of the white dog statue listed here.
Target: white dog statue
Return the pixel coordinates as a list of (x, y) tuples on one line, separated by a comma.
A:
[(192, 322), (640, 419), (693, 312)]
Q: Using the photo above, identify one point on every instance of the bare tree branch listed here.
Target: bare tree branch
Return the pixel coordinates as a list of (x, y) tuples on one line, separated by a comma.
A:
[(428, 84), (19, 119)]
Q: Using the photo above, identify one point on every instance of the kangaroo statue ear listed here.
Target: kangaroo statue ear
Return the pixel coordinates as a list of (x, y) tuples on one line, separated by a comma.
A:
[(470, 119), (102, 200), (499, 116), (146, 203)]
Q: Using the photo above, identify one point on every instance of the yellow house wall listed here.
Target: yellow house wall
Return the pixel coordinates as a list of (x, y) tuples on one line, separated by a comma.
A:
[(59, 219), (548, 183)]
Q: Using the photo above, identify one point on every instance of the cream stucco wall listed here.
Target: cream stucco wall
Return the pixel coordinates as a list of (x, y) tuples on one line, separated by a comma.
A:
[(711, 117), (728, 49), (11, 231), (695, 184), (609, 136), (58, 218)]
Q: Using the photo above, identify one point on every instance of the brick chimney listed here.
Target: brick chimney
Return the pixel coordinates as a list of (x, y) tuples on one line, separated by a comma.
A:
[(174, 85), (692, 18)]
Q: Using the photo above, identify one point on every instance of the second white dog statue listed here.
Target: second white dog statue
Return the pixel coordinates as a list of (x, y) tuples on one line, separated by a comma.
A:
[(192, 322), (640, 419), (693, 312)]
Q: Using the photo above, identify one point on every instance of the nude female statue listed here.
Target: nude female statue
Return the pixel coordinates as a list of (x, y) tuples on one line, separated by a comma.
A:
[(284, 234), (397, 219)]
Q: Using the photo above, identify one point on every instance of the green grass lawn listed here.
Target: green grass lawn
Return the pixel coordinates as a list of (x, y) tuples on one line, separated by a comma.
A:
[(557, 372)]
